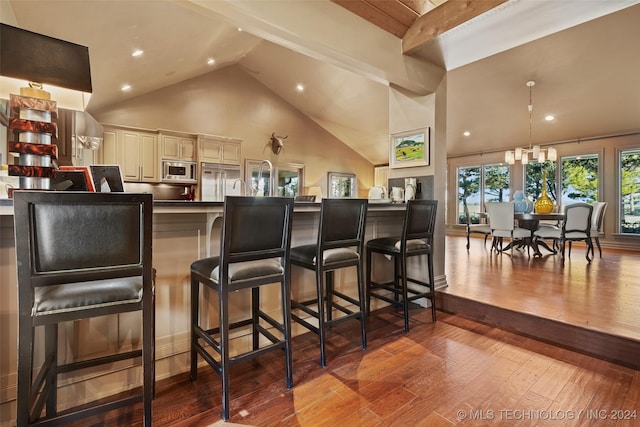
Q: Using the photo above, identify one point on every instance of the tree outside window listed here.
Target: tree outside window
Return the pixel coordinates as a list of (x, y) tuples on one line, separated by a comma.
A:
[(533, 180), (579, 179), (479, 185), (630, 191)]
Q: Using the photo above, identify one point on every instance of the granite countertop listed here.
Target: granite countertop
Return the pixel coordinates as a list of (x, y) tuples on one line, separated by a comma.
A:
[(6, 206)]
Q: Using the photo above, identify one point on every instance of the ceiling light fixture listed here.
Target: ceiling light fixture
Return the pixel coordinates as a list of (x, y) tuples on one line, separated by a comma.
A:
[(300, 87), (211, 61), (125, 88), (466, 133), (522, 154), (137, 52)]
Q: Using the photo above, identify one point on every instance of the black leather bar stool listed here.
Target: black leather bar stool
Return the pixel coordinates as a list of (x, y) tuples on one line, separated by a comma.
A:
[(340, 245), (416, 240), (80, 255), (254, 251)]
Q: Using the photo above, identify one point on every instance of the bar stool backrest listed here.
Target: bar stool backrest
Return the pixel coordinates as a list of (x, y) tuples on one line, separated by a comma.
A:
[(420, 220), (255, 228), (342, 223)]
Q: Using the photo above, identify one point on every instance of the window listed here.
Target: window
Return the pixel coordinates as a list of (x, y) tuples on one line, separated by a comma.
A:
[(290, 178), (479, 185), (579, 179), (342, 185), (630, 191), (496, 183), (533, 180)]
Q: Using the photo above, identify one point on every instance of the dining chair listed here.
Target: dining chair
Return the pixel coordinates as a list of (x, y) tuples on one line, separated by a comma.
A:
[(597, 218), (81, 255), (475, 228), (576, 226), (254, 252), (416, 240), (339, 245), (502, 224)]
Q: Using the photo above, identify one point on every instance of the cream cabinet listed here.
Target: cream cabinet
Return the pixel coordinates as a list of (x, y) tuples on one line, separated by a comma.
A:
[(213, 149), (135, 151), (177, 147)]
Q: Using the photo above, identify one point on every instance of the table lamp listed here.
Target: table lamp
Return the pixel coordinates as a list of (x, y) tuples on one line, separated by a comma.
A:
[(39, 68)]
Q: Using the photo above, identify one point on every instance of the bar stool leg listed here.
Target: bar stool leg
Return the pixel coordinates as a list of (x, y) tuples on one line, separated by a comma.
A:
[(255, 307), (432, 286), (321, 315), (368, 282), (405, 293), (195, 315), (361, 300), (286, 324), (224, 350), (328, 296)]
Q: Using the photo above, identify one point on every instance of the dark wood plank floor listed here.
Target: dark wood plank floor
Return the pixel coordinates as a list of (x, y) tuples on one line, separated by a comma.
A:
[(453, 372)]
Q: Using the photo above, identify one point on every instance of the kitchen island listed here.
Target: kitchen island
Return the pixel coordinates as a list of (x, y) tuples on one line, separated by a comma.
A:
[(183, 232)]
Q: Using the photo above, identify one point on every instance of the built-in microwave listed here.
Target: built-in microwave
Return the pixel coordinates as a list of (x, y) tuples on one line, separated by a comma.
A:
[(179, 172)]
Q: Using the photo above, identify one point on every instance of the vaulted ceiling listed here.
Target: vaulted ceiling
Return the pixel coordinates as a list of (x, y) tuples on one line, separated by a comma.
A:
[(583, 55)]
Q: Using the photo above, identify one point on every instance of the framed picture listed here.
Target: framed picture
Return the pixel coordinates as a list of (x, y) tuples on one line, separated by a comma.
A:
[(410, 149), (342, 185), (75, 178)]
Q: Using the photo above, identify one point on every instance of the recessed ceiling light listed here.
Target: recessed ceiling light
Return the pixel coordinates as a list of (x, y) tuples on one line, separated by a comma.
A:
[(300, 87), (239, 29), (549, 117), (137, 52), (125, 88), (466, 133), (211, 61)]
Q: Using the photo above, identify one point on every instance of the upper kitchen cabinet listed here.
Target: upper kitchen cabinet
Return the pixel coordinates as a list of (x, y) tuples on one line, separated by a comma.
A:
[(173, 147), (135, 151), (215, 149)]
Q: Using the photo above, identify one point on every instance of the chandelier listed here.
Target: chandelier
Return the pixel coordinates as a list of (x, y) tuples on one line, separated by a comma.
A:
[(537, 153)]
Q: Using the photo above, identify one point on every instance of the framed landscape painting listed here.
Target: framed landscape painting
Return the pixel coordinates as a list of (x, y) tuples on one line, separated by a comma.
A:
[(410, 149)]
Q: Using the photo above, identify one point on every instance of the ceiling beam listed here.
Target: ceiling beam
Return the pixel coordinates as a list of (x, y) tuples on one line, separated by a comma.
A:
[(442, 19)]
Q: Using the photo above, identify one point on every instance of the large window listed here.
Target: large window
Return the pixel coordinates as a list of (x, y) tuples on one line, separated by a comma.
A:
[(478, 185), (630, 191), (579, 179)]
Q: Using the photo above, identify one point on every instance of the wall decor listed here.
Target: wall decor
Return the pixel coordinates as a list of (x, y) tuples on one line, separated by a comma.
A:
[(410, 148)]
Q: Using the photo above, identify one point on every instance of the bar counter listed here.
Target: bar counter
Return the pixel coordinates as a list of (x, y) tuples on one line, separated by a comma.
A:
[(183, 231)]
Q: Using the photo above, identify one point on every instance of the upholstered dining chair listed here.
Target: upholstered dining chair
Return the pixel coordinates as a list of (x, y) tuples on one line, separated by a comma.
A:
[(81, 255), (416, 240), (502, 225), (475, 228), (597, 218), (254, 252), (576, 226)]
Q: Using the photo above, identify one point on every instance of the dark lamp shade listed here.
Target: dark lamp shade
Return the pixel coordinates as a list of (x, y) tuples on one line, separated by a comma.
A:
[(38, 58)]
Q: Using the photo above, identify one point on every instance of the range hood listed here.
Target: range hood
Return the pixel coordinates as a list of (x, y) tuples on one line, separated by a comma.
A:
[(87, 131)]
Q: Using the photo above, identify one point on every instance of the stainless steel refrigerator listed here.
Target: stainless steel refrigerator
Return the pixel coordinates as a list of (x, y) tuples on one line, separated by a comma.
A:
[(218, 180)]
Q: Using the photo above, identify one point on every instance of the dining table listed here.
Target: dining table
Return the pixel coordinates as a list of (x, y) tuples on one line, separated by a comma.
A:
[(531, 221)]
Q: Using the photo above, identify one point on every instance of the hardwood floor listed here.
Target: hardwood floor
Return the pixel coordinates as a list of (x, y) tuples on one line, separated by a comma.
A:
[(455, 371), (588, 307)]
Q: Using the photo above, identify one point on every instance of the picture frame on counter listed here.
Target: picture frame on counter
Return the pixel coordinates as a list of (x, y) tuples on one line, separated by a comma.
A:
[(410, 148)]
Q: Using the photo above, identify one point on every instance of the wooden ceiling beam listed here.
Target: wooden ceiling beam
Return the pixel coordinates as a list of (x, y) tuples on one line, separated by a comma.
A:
[(442, 19), (375, 16)]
